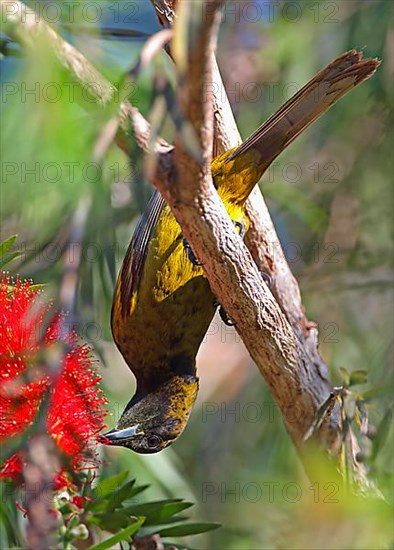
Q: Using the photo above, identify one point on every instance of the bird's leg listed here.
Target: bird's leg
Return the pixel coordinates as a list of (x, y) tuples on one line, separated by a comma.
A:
[(225, 317), (240, 227), (267, 278), (223, 314), (190, 254)]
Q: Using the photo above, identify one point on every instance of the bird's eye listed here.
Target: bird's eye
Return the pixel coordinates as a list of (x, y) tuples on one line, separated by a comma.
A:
[(154, 441)]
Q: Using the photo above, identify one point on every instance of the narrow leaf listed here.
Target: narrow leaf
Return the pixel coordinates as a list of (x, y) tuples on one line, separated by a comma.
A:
[(166, 512), (358, 377), (150, 507), (111, 522), (7, 259), (6, 245), (110, 484), (344, 375), (165, 521), (119, 495), (137, 490), (38, 286), (125, 534), (187, 529)]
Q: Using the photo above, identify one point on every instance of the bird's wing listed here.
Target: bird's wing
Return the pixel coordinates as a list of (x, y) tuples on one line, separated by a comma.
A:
[(130, 274)]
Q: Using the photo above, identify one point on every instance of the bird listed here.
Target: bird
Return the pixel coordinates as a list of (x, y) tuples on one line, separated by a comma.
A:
[(163, 304)]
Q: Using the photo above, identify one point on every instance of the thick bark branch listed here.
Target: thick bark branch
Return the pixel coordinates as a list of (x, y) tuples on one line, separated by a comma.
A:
[(297, 385), (261, 239), (194, 57), (280, 340)]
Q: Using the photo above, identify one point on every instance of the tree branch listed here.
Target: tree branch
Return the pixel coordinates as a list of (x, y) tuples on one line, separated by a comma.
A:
[(280, 340), (261, 238)]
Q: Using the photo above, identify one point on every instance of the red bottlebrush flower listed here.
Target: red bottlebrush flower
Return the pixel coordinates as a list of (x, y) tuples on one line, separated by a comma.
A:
[(12, 468), (76, 404), (21, 316), (75, 413), (63, 481)]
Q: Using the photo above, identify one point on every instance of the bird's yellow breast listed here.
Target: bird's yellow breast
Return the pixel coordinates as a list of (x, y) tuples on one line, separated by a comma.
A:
[(173, 293)]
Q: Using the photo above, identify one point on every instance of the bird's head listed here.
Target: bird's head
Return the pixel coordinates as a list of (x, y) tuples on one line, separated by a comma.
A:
[(153, 422)]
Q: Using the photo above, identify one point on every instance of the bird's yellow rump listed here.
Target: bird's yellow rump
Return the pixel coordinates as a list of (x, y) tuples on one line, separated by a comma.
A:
[(163, 304)]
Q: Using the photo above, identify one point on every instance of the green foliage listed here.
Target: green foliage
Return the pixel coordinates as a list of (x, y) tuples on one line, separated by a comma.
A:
[(5, 255), (124, 534), (10, 532), (110, 506)]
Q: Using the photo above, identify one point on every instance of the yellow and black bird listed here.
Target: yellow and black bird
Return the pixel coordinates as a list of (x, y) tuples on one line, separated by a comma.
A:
[(163, 304)]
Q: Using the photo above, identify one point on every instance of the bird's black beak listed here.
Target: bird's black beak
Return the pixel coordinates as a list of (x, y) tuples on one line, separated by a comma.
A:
[(114, 437)]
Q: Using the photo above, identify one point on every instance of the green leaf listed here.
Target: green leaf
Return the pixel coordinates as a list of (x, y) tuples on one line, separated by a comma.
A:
[(148, 508), (111, 522), (165, 512), (7, 259), (188, 529), (358, 377), (110, 484), (38, 286), (6, 245), (137, 490), (119, 495), (165, 521), (344, 375), (129, 490), (125, 534), (115, 499), (97, 505)]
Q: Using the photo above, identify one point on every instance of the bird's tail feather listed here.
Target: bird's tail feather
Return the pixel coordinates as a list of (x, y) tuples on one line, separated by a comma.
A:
[(307, 105)]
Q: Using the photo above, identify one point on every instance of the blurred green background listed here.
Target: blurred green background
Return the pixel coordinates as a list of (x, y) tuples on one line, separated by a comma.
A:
[(330, 196)]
